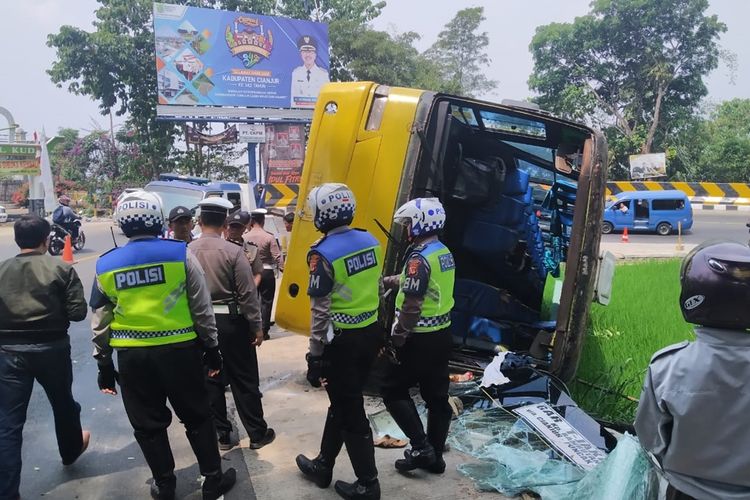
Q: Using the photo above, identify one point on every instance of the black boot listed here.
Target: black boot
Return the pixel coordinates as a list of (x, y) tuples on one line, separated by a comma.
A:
[(320, 469), (422, 454), (203, 442), (164, 488), (438, 425), (219, 483), (317, 470), (158, 455), (362, 455)]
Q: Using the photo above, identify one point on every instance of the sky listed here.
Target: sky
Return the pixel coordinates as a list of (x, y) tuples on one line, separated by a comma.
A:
[(36, 103)]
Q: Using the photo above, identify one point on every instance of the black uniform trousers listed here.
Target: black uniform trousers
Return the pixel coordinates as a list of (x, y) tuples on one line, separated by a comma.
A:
[(424, 362), (49, 365), (241, 372), (349, 358), (267, 290), (149, 376)]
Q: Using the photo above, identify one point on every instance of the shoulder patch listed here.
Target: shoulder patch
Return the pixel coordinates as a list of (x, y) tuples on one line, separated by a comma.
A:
[(446, 262), (670, 349)]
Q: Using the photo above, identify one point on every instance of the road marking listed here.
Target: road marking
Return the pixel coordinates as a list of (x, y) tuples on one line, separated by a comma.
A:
[(88, 258)]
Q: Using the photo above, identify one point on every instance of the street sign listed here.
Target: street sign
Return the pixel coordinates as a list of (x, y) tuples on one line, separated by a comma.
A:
[(19, 159), (9, 168), (19, 149), (252, 132)]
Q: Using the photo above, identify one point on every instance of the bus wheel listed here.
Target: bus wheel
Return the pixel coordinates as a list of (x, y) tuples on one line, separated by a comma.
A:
[(607, 227)]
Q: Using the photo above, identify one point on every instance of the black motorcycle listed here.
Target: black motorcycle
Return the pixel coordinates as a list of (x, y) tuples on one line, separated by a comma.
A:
[(57, 238)]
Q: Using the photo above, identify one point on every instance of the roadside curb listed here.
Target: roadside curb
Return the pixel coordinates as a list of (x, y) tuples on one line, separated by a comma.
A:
[(721, 206)]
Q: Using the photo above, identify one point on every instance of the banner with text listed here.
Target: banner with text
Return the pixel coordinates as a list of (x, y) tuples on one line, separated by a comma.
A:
[(284, 153), (19, 159), (219, 58)]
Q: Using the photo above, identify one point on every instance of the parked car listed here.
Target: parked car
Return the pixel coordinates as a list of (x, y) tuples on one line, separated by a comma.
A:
[(3, 215), (178, 190), (662, 212)]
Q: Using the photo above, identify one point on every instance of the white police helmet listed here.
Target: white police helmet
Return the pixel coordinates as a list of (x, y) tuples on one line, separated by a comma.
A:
[(140, 213), (331, 205), (422, 216)]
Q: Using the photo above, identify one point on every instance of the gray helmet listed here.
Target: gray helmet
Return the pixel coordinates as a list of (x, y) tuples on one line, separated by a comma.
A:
[(715, 280)]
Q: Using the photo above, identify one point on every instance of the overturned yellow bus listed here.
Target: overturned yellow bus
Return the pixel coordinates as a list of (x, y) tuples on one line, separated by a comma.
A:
[(523, 191)]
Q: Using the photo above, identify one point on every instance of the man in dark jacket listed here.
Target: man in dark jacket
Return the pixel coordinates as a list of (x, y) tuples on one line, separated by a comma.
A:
[(39, 297)]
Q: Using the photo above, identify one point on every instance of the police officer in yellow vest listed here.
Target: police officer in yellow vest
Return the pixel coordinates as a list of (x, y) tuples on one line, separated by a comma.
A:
[(421, 338), (152, 305), (345, 267)]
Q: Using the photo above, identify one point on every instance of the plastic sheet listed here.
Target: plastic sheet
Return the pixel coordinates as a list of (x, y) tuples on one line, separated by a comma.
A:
[(382, 423)]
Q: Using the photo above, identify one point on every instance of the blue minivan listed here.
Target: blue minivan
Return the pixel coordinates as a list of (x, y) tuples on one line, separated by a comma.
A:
[(654, 211)]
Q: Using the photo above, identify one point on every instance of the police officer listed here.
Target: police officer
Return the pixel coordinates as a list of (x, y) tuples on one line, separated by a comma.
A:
[(345, 268), (692, 413), (151, 304), (270, 255), (181, 224), (235, 300), (421, 337), (236, 225)]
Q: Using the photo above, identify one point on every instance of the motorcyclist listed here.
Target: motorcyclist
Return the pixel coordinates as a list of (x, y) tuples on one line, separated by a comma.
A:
[(65, 217), (695, 393)]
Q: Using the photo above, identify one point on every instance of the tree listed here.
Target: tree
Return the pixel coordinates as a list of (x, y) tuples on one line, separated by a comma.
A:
[(636, 66), (460, 51), (721, 146), (346, 19)]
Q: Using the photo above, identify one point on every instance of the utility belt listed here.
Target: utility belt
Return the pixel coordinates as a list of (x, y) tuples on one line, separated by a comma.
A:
[(231, 309)]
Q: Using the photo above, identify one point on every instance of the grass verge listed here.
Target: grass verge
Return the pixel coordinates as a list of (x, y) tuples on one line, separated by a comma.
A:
[(643, 317)]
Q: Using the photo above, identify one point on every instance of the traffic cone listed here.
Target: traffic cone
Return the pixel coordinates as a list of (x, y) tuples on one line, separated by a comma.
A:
[(67, 255), (625, 238)]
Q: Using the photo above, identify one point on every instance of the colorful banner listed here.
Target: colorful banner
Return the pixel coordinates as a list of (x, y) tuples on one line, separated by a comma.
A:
[(19, 159), (284, 153), (219, 58), (9, 168)]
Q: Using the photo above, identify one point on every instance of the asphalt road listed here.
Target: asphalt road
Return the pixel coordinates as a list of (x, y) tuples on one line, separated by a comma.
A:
[(113, 467), (707, 225)]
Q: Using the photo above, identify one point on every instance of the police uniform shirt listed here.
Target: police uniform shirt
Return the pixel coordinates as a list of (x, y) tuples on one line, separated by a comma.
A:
[(228, 275), (199, 301), (269, 252), (306, 83), (415, 286), (319, 289), (693, 414), (251, 252)]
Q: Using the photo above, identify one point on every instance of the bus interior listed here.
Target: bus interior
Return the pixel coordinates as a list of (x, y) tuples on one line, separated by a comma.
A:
[(508, 181)]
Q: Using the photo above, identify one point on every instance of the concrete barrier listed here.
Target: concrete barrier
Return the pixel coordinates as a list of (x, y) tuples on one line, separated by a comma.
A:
[(705, 194)]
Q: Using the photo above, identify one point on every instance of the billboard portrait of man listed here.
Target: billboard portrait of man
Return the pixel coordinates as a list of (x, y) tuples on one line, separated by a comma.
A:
[(308, 78)]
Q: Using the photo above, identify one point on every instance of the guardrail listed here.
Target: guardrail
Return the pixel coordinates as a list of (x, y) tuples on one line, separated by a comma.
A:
[(702, 193)]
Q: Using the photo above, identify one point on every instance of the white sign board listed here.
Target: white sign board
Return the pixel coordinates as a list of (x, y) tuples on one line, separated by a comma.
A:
[(647, 166), (251, 132), (561, 435)]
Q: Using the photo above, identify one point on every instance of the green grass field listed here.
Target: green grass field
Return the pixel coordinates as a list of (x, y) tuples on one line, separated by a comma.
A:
[(642, 317)]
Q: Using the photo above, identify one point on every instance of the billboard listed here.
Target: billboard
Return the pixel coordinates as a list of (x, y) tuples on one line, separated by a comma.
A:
[(284, 153), (218, 58), (19, 159), (648, 165)]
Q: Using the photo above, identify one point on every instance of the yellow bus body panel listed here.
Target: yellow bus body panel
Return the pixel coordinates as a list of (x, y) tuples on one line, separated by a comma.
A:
[(370, 162)]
